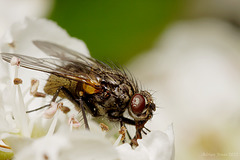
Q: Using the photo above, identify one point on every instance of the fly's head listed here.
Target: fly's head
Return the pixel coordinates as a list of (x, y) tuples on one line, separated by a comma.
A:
[(141, 108)]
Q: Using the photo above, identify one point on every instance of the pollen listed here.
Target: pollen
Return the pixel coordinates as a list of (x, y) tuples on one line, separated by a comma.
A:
[(17, 81)]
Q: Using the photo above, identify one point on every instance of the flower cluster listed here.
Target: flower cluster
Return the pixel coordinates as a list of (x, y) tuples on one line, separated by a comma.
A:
[(54, 132)]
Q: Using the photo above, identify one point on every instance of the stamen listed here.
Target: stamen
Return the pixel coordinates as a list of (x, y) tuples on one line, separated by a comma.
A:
[(53, 125), (19, 110), (39, 94), (121, 136), (73, 122), (22, 114), (6, 147), (17, 81), (50, 112), (123, 133), (118, 140), (65, 109), (15, 61), (53, 111), (34, 86), (34, 89), (104, 127)]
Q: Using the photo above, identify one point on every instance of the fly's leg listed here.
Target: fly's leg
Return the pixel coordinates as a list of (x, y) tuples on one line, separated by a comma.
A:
[(138, 124), (78, 102), (47, 105), (83, 113), (132, 122), (124, 121), (139, 129), (129, 136)]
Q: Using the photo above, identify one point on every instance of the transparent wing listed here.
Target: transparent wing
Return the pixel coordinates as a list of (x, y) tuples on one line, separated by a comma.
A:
[(69, 64), (39, 64), (67, 69), (57, 51), (83, 63), (67, 54)]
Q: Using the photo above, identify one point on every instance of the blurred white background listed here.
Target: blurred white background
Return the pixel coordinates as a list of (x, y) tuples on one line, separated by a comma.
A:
[(194, 70)]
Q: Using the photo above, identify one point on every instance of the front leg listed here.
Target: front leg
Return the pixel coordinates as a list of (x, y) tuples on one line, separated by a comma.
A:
[(138, 124), (139, 128), (122, 121)]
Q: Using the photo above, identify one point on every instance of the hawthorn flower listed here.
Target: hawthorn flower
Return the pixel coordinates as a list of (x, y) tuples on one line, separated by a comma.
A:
[(16, 10), (56, 132), (64, 145)]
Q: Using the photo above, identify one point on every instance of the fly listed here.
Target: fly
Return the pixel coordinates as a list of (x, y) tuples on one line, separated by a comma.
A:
[(93, 86)]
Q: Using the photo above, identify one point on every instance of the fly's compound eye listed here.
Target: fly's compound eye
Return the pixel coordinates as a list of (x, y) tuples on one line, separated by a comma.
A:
[(138, 104)]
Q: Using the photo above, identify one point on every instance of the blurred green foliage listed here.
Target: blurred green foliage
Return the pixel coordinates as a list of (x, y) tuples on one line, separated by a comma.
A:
[(115, 30)]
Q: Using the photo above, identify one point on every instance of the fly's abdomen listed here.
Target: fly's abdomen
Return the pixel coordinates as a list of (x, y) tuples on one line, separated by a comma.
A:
[(54, 82)]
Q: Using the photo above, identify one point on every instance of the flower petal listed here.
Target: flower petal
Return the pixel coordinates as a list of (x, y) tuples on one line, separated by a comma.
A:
[(126, 152), (12, 11), (20, 36), (159, 145), (156, 145), (64, 145)]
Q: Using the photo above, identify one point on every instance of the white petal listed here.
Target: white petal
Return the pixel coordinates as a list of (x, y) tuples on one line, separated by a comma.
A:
[(75, 145), (156, 145), (4, 124), (160, 145), (19, 40), (89, 146), (7, 123), (126, 152), (15, 10), (20, 36), (17, 143)]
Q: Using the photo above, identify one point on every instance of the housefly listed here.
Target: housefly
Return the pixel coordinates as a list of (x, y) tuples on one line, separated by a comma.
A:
[(94, 87)]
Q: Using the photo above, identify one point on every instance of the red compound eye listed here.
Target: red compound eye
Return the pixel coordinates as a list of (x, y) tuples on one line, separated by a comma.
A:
[(138, 104)]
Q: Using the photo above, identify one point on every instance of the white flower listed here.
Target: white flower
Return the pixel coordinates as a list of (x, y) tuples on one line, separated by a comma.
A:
[(18, 39), (14, 102), (31, 136), (64, 145), (16, 10)]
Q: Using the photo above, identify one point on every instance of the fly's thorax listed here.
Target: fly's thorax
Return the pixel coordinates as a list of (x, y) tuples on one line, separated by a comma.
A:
[(54, 82), (113, 98)]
